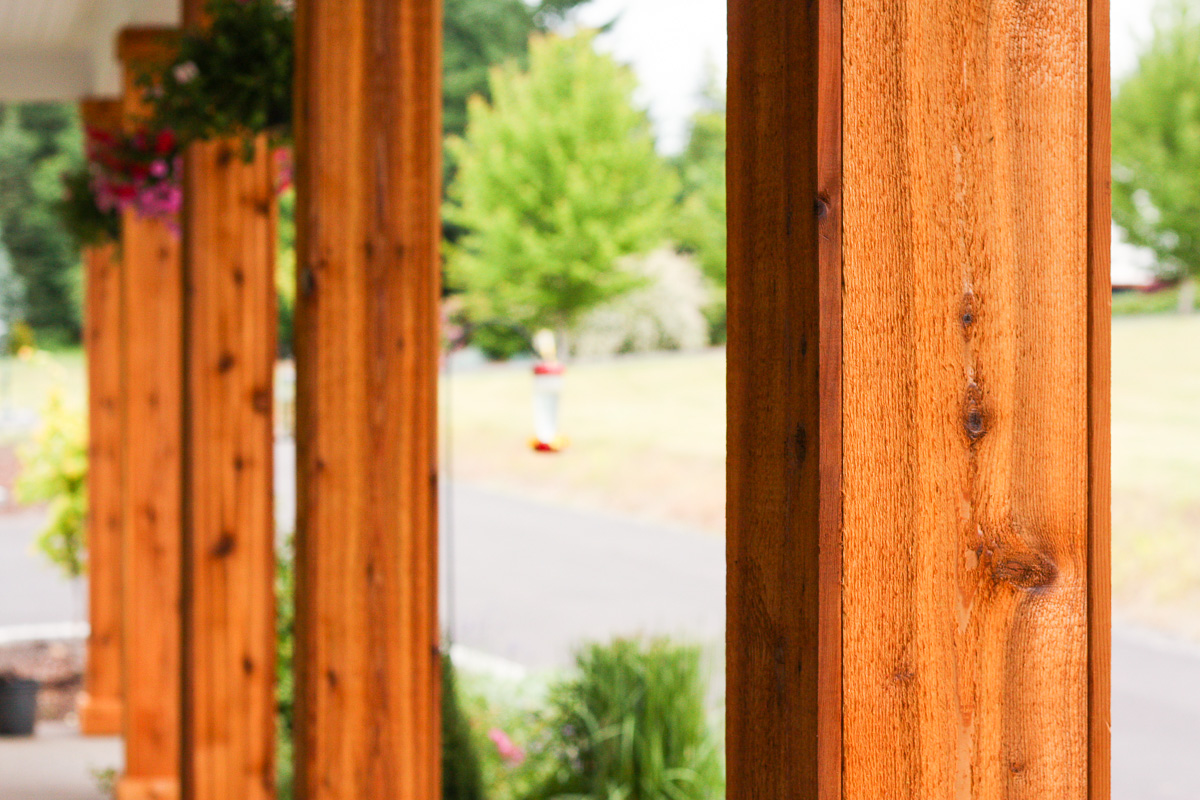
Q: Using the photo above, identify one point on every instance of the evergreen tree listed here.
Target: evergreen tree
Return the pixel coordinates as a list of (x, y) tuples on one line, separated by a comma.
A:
[(700, 224), (37, 143), (1156, 147), (557, 180)]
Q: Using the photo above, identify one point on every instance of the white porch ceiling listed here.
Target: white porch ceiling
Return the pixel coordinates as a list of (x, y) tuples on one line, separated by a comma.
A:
[(66, 49)]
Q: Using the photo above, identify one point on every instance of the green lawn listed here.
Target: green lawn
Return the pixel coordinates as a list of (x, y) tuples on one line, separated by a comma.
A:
[(647, 436), (1156, 469)]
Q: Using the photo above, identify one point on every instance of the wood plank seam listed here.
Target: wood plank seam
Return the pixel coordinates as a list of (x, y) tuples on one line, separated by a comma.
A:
[(1099, 404)]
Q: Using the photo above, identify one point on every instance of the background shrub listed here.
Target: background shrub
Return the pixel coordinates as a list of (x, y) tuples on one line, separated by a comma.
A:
[(666, 313), (633, 725), (54, 471)]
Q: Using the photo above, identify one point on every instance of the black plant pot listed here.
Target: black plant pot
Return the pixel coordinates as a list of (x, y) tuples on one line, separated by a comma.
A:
[(18, 706)]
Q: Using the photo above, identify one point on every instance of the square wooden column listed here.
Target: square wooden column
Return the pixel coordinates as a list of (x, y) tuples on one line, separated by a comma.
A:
[(152, 370), (368, 179), (229, 554), (229, 250), (100, 706), (918, 601)]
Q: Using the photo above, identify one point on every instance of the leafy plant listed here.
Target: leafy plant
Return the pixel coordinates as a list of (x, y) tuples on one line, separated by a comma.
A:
[(632, 725), (462, 777), (54, 470), (557, 180), (232, 77), (81, 215)]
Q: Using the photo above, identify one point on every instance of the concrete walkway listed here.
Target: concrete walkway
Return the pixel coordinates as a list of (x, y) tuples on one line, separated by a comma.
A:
[(56, 764)]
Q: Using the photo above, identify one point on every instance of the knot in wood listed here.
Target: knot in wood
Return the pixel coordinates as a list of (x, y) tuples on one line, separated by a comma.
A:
[(225, 545), (974, 416), (821, 207), (1030, 571), (968, 313)]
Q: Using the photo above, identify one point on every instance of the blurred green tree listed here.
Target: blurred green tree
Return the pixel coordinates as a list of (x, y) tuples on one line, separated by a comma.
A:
[(558, 178), (479, 34), (699, 225), (1156, 147), (38, 142)]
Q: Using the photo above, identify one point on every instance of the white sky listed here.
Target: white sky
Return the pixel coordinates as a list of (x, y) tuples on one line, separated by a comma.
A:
[(669, 43)]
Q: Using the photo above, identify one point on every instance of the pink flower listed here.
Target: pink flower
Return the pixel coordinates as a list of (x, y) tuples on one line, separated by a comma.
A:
[(509, 750), (186, 72)]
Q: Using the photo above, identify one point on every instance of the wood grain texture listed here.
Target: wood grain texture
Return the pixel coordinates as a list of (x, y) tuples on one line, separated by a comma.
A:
[(229, 530), (783, 396), (967, 422), (147, 789), (152, 371), (100, 706), (368, 177), (1099, 403)]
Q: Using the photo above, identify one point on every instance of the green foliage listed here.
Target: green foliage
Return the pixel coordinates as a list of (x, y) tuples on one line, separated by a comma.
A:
[(500, 342), (285, 660), (285, 273), (462, 778), (477, 35), (20, 337), (557, 180), (632, 726), (699, 227), (38, 142), (515, 709), (233, 78), (54, 470), (81, 216), (1162, 301), (1156, 143)]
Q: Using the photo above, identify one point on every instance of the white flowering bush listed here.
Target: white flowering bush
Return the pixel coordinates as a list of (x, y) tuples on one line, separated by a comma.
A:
[(666, 313)]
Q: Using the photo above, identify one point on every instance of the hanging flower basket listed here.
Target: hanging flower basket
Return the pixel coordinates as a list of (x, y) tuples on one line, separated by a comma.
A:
[(138, 171), (231, 78)]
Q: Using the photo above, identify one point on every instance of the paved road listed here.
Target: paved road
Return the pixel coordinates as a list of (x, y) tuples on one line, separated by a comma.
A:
[(530, 581)]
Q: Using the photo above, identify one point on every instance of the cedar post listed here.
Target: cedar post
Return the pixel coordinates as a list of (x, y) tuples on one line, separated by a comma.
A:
[(368, 178), (100, 708), (918, 600), (229, 241), (152, 363)]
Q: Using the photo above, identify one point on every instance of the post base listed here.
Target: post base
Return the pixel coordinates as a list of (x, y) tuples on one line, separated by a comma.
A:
[(100, 716), (129, 788)]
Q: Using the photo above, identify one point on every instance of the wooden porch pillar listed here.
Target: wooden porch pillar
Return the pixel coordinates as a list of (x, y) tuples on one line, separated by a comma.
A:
[(229, 244), (918, 570), (152, 370), (100, 707), (367, 165)]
